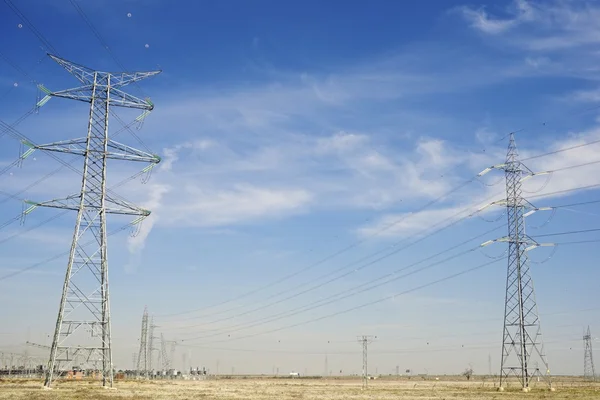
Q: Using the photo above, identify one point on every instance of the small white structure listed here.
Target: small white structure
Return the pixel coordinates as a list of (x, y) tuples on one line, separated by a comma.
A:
[(294, 374)]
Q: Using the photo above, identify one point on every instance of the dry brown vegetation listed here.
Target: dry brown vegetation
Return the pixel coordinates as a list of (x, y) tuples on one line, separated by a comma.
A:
[(288, 389)]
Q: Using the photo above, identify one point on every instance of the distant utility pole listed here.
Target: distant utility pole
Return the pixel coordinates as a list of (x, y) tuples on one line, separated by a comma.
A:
[(397, 370), (589, 373), (365, 340), (326, 367), (490, 364), (142, 360), (83, 319), (522, 338)]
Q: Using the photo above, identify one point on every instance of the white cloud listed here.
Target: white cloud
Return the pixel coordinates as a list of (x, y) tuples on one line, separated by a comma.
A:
[(479, 19), (541, 26), (406, 224), (585, 96), (236, 205), (520, 11), (136, 244)]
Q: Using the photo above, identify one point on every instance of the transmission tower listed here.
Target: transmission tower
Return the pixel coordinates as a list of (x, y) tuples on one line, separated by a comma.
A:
[(142, 360), (589, 373), (522, 338), (365, 341), (151, 347), (166, 362), (84, 311)]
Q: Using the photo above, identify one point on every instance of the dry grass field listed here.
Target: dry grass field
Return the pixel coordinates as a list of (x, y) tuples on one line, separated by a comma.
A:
[(288, 389)]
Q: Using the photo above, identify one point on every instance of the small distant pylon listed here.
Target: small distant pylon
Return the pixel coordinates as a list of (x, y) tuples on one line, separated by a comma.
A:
[(166, 362), (142, 360), (522, 338), (151, 348), (589, 372), (365, 340)]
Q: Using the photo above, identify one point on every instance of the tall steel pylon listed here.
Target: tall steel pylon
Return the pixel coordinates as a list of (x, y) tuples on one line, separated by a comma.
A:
[(84, 312), (589, 373), (142, 360), (522, 345), (365, 340)]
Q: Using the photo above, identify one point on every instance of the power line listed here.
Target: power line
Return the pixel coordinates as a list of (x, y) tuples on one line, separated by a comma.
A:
[(352, 291), (351, 264), (578, 242), (569, 232), (561, 150), (422, 234), (370, 303), (593, 186), (56, 257), (31, 26), (19, 136), (387, 227), (331, 256)]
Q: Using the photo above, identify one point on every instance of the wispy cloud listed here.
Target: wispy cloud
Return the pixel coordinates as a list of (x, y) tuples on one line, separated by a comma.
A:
[(519, 12), (406, 224), (541, 26), (136, 243)]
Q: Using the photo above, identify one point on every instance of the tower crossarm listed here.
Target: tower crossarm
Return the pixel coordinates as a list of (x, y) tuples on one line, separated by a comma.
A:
[(72, 202), (117, 97), (85, 75), (117, 151), (525, 241)]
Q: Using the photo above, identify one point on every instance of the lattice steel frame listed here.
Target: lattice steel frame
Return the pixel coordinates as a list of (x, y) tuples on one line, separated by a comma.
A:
[(142, 360), (84, 303), (365, 340), (522, 336), (589, 372)]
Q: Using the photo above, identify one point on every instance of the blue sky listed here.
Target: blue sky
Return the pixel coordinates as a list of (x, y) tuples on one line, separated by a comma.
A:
[(290, 132)]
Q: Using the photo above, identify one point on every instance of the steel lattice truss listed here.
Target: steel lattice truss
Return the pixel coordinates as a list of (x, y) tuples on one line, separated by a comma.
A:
[(142, 360), (83, 323), (522, 346), (365, 340), (589, 371)]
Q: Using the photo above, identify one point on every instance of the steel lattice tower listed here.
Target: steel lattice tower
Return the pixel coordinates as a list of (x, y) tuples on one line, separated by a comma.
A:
[(166, 362), (365, 341), (151, 348), (589, 372), (83, 320), (142, 360), (522, 345)]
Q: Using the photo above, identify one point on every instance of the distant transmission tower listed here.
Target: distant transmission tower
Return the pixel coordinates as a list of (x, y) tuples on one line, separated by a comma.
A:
[(589, 373), (166, 362), (365, 341), (142, 360), (84, 305), (151, 347), (522, 337)]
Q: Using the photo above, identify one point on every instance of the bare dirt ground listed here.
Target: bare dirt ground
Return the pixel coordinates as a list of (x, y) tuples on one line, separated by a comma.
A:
[(287, 389)]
